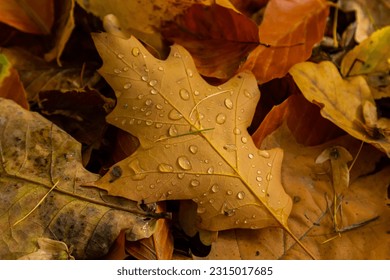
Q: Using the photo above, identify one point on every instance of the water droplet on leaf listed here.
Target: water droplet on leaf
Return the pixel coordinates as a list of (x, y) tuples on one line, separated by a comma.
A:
[(194, 183), (240, 195), (135, 52), (228, 103), (184, 94), (172, 131), (184, 163), (174, 115), (214, 188), (193, 149), (164, 167), (221, 118), (264, 154)]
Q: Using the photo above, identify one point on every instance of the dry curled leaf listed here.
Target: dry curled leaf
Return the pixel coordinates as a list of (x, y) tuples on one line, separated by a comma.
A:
[(348, 103), (35, 154), (193, 139)]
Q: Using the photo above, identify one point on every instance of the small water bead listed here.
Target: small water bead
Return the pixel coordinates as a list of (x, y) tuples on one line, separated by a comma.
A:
[(184, 94), (140, 96), (201, 210), (148, 113), (127, 86), (244, 139), (194, 183), (117, 71), (158, 125), (214, 188), (251, 156), (148, 102), (248, 93), (221, 118), (144, 78), (193, 149), (229, 192), (190, 73), (164, 167), (228, 103), (181, 175), (236, 131), (169, 192), (135, 52), (229, 212), (174, 115), (153, 91), (184, 163), (269, 164), (160, 68), (148, 122), (172, 131), (210, 170), (196, 92), (152, 83), (177, 55), (120, 55), (152, 186), (159, 106), (263, 191), (264, 154), (125, 69), (269, 177), (139, 187), (211, 200), (143, 109), (240, 195), (259, 179)]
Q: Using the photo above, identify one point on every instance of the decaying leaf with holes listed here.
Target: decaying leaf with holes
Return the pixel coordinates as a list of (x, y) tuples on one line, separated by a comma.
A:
[(193, 139), (41, 196)]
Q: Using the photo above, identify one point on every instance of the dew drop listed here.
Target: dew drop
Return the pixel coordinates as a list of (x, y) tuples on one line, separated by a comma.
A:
[(140, 96), (264, 154), (230, 147), (229, 212), (125, 69), (194, 183), (139, 187), (190, 73), (228, 103), (269, 177), (172, 131), (144, 78), (244, 139), (159, 106), (169, 192), (229, 192), (247, 93), (193, 149), (148, 102), (160, 68), (263, 191), (127, 86), (196, 92), (177, 55), (269, 164), (236, 131), (135, 51), (259, 179), (164, 167), (210, 170), (153, 91), (201, 210), (184, 163), (214, 188), (211, 200), (152, 83), (184, 94), (174, 115), (148, 122), (251, 156), (148, 113), (180, 175), (240, 195), (221, 118), (158, 125), (120, 55), (152, 186), (117, 71)]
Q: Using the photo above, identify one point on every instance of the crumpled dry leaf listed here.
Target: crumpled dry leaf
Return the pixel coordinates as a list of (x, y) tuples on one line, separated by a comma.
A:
[(29, 15), (365, 223), (288, 33), (371, 15), (348, 103), (35, 155), (193, 139)]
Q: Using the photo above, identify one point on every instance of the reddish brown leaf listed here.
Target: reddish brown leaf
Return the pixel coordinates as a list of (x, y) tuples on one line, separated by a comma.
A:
[(288, 31), (218, 38), (29, 15)]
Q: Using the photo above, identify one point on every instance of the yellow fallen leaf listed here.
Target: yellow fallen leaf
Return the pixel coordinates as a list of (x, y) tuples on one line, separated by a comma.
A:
[(342, 101), (193, 139), (370, 56)]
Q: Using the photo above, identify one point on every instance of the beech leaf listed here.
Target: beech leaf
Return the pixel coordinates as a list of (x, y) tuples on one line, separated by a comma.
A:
[(193, 139)]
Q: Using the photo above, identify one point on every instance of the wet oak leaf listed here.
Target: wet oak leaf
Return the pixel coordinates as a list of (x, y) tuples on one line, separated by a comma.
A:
[(288, 33), (348, 103), (35, 155), (193, 139)]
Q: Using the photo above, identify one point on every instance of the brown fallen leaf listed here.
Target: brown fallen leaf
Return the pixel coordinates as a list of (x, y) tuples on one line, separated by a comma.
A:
[(41, 197), (365, 215), (287, 34), (193, 139), (29, 15), (348, 103), (50, 249)]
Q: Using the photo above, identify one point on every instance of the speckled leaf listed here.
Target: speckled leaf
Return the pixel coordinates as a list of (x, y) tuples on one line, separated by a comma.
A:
[(193, 139), (35, 154)]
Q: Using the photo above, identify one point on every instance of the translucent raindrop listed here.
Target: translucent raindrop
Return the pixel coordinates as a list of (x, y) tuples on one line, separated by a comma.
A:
[(148, 122), (214, 188), (184, 163), (164, 167), (194, 183), (221, 118), (269, 177), (210, 170), (117, 71), (264, 154), (152, 83), (236, 131), (158, 125), (211, 200), (201, 210), (259, 179), (189, 72), (193, 149), (153, 91), (127, 86), (177, 55), (251, 156), (269, 164), (160, 68), (228, 103), (184, 94), (120, 55), (148, 102), (240, 195), (172, 131), (180, 175), (159, 106), (174, 115), (135, 51), (229, 212), (229, 192), (230, 147), (144, 78), (244, 139)]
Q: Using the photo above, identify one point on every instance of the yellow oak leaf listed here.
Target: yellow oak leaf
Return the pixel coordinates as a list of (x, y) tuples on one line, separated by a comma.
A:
[(194, 143), (348, 103)]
